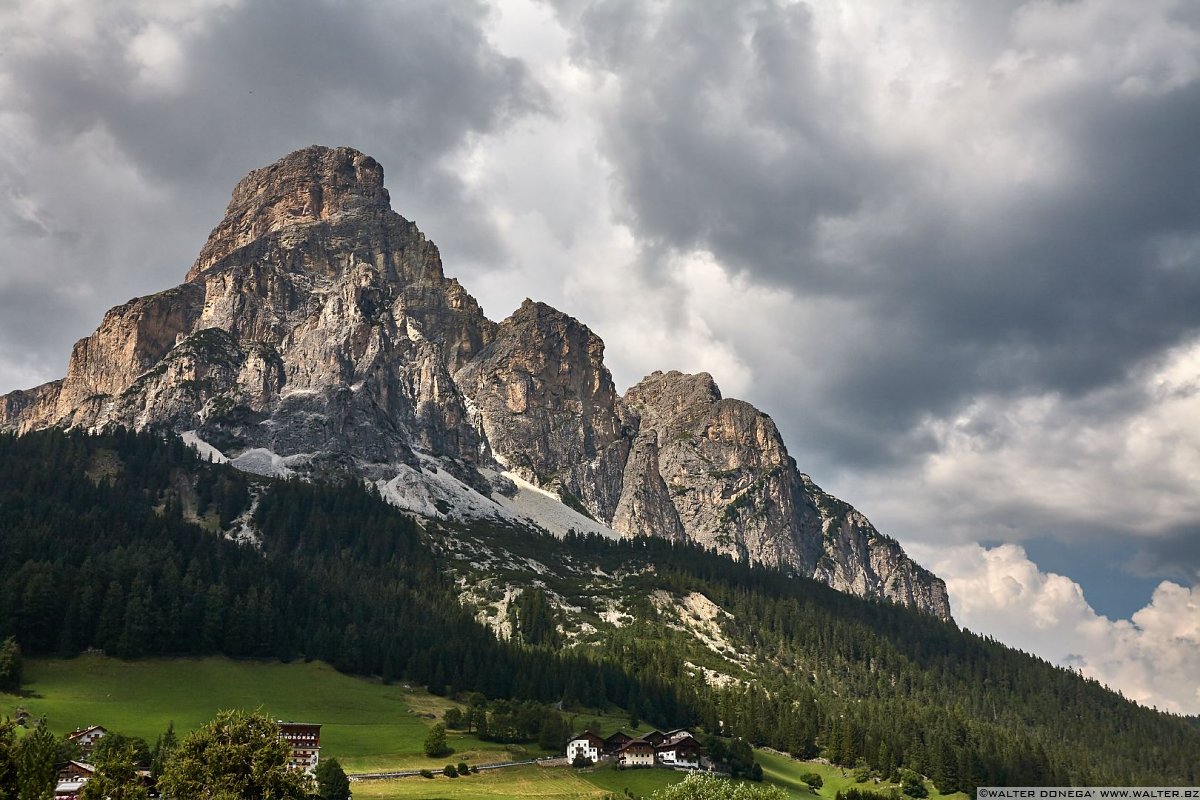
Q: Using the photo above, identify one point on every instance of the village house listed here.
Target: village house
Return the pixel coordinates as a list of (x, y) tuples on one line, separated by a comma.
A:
[(305, 740), (680, 749), (636, 753), (586, 744), (675, 749), (86, 738), (615, 742), (71, 779)]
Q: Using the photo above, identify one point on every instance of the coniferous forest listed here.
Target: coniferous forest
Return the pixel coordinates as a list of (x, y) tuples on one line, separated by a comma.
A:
[(125, 543)]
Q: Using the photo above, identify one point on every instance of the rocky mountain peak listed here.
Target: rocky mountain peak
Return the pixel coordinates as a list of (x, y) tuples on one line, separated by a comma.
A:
[(316, 184), (664, 397), (317, 333)]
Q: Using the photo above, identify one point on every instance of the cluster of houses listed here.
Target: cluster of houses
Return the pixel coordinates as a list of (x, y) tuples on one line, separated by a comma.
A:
[(676, 749), (74, 774), (303, 738)]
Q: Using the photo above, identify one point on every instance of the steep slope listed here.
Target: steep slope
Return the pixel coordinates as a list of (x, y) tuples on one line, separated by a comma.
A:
[(733, 487), (317, 334)]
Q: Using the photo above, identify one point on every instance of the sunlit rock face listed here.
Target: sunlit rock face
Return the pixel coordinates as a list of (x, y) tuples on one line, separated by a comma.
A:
[(317, 333)]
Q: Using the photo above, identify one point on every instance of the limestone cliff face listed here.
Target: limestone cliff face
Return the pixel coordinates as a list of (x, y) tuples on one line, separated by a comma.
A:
[(732, 485), (315, 322), (858, 559), (728, 475), (548, 408), (316, 332)]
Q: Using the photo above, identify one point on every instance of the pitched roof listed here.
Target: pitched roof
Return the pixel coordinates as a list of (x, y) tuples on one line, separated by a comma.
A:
[(682, 737), (591, 737), (84, 731), (635, 743)]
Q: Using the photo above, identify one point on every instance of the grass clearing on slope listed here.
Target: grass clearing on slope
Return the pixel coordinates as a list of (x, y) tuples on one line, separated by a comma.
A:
[(367, 725), (785, 772)]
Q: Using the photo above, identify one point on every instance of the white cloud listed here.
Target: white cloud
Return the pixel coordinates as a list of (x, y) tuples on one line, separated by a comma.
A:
[(158, 57), (1125, 457), (1151, 658)]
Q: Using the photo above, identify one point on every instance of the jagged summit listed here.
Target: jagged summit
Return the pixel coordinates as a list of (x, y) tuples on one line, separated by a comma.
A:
[(316, 184), (317, 333)]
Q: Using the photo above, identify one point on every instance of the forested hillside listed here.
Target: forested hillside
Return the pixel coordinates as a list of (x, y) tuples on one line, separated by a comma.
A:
[(125, 543)]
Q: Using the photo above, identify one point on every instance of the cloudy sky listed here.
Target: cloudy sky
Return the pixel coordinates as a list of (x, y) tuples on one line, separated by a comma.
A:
[(952, 247)]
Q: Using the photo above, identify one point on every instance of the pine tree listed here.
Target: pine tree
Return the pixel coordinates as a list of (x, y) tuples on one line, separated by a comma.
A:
[(116, 776), (234, 755), (36, 754), (164, 750), (332, 783), (10, 666), (435, 742)]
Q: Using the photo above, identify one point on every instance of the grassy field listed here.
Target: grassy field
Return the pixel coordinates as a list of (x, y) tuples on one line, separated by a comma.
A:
[(785, 772), (367, 725), (642, 782), (535, 783)]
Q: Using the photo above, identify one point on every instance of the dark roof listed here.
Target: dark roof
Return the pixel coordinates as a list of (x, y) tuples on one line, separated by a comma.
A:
[(679, 738), (632, 743), (618, 736), (586, 735)]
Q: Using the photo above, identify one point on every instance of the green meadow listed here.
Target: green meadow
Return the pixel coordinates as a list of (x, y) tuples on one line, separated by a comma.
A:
[(368, 725)]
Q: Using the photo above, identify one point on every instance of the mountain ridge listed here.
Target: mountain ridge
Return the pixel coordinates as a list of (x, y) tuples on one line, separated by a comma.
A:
[(317, 333)]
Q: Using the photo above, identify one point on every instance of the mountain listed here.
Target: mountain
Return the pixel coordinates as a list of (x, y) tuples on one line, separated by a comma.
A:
[(317, 334)]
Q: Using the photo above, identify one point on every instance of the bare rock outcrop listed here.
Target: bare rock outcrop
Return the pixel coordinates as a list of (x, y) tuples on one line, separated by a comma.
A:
[(548, 408), (728, 474), (733, 487), (315, 322)]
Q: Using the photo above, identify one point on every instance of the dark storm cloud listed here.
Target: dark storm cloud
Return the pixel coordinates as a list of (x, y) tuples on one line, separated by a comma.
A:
[(418, 76), (1175, 555), (729, 134), (407, 82)]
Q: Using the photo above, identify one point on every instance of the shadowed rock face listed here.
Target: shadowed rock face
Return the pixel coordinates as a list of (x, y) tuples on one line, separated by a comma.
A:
[(317, 324)]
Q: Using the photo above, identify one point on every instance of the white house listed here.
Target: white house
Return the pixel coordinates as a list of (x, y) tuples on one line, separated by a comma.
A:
[(87, 737), (636, 753), (586, 744), (680, 750)]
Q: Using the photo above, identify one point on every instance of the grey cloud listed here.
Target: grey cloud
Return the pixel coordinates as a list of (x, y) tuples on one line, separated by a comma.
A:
[(408, 82), (1175, 555), (728, 136)]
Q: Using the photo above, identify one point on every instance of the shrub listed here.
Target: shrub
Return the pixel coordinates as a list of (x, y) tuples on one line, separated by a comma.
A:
[(435, 742)]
